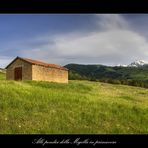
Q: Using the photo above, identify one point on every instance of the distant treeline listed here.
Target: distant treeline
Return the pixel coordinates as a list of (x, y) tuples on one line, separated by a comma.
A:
[(137, 83), (134, 76)]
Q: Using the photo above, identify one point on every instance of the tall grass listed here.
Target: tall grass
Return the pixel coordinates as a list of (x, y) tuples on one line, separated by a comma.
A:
[(2, 76), (77, 107)]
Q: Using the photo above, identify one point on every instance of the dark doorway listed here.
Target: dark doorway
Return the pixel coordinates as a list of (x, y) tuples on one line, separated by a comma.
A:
[(18, 73)]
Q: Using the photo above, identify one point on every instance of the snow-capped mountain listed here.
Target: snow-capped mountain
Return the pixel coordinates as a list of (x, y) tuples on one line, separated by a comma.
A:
[(137, 63)]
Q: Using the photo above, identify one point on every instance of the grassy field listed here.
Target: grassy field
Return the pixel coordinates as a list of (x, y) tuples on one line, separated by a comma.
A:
[(79, 107), (2, 76)]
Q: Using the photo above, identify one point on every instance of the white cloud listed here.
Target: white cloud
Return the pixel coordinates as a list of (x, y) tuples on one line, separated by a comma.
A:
[(114, 43), (112, 21)]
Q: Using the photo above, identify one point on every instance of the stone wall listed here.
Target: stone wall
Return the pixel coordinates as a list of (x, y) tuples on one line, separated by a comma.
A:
[(26, 70), (41, 73)]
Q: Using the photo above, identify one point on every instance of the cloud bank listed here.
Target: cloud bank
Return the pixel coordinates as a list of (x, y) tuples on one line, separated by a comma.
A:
[(113, 42)]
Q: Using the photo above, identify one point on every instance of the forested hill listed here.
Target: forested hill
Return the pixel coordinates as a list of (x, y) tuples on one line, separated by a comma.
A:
[(137, 76)]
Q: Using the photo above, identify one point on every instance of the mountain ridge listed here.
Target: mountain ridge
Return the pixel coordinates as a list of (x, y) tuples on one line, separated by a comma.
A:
[(130, 75)]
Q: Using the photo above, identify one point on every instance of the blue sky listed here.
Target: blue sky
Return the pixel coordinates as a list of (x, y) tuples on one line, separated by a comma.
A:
[(109, 39)]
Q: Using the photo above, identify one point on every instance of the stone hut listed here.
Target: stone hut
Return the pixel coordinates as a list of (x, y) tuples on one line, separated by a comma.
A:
[(28, 69)]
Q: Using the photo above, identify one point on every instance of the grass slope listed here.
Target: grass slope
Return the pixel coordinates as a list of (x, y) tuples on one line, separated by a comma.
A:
[(79, 107), (2, 76)]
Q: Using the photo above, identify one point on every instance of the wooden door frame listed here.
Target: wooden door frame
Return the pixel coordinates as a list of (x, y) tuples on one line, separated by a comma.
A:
[(18, 73)]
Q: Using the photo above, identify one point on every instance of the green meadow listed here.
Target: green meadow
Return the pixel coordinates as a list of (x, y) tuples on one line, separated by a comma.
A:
[(79, 107), (2, 76)]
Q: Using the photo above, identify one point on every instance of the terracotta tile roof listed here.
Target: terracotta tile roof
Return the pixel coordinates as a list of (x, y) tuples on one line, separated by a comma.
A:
[(35, 62)]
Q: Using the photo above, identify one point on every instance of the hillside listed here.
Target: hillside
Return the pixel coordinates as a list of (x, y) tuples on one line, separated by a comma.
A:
[(77, 107), (2, 76), (2, 70), (136, 76)]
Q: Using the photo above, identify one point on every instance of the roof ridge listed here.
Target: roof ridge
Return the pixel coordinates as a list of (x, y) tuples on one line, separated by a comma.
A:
[(36, 62)]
